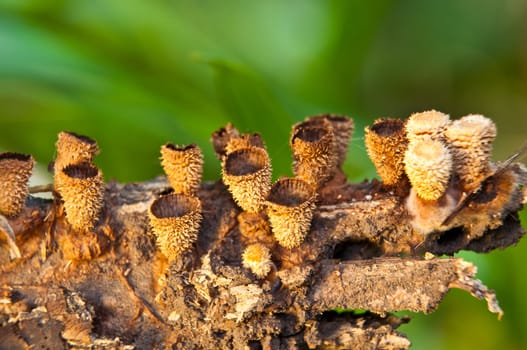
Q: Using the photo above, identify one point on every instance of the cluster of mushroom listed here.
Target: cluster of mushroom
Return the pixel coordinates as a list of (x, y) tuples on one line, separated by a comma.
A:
[(443, 160), (77, 180), (78, 183), (319, 145), (176, 217)]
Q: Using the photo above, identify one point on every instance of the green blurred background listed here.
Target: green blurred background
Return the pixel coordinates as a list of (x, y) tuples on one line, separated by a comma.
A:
[(135, 74)]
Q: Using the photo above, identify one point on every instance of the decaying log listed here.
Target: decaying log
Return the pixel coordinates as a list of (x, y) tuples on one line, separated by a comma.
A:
[(312, 262), (111, 288), (382, 286)]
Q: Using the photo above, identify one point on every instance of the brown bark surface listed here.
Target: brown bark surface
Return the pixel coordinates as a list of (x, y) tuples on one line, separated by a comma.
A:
[(111, 288)]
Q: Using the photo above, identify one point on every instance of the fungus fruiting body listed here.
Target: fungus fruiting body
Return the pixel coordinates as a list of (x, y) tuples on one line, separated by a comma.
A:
[(430, 124), (342, 127), (290, 208), (470, 139), (436, 166), (428, 164), (15, 170), (257, 258), (314, 153), (386, 144), (247, 173), (183, 167), (74, 149), (221, 138), (81, 187), (244, 141), (175, 219)]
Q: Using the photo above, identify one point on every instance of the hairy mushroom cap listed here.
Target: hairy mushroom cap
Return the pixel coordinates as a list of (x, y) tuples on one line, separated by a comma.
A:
[(470, 139), (386, 144), (247, 173), (220, 138), (427, 124), (244, 141), (290, 208), (183, 167), (175, 219), (342, 129), (257, 258), (81, 187), (73, 149), (15, 170), (314, 152), (428, 164)]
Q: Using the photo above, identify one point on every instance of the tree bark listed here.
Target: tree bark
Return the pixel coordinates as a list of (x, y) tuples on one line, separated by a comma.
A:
[(111, 288)]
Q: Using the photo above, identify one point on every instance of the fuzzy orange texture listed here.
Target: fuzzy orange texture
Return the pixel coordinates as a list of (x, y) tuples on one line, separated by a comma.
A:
[(342, 127), (257, 258), (386, 145), (73, 149), (244, 141), (428, 164), (247, 173), (81, 187), (175, 220), (290, 208), (314, 153), (427, 124), (15, 171), (470, 139), (183, 167)]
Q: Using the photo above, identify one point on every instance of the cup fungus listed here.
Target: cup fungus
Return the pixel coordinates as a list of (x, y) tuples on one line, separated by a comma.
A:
[(247, 173), (81, 187), (314, 153), (175, 219), (220, 138), (470, 139), (15, 170), (244, 141), (342, 129), (74, 149), (257, 258), (428, 164), (427, 124), (290, 208), (183, 167), (386, 144)]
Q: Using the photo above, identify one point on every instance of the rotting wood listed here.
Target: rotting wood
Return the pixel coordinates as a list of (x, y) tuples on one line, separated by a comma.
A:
[(208, 300), (382, 285), (369, 246)]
